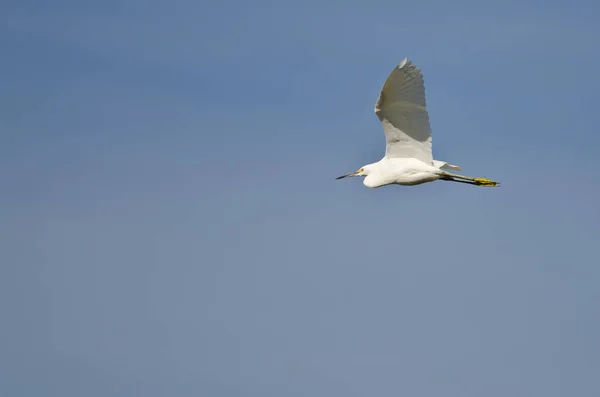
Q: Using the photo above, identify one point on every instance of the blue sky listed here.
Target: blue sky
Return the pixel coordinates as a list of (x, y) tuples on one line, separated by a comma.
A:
[(171, 224)]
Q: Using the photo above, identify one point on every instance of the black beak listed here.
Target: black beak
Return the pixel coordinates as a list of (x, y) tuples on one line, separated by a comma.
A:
[(345, 176)]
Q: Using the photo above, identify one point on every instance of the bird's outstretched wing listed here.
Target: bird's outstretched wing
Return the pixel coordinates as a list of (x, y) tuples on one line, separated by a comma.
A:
[(402, 110)]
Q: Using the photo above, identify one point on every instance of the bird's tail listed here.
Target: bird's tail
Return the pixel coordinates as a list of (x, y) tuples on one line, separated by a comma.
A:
[(443, 164), (447, 176)]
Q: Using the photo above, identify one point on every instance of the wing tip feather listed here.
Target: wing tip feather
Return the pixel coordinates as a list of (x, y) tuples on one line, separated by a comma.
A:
[(403, 63)]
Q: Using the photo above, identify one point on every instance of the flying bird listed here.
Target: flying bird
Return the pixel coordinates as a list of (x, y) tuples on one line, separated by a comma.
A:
[(408, 159)]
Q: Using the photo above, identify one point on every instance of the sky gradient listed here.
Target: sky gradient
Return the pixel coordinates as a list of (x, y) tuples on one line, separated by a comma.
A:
[(171, 226)]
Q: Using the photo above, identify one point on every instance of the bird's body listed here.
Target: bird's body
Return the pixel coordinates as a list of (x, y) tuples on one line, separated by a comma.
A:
[(408, 159), (408, 172)]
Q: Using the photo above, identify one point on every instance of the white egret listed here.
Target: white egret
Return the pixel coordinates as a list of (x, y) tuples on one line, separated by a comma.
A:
[(408, 159)]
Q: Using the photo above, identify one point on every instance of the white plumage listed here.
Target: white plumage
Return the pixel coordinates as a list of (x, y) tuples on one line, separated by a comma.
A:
[(402, 110)]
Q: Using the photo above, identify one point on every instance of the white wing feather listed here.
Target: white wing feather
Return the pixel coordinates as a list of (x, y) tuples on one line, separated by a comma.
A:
[(402, 110)]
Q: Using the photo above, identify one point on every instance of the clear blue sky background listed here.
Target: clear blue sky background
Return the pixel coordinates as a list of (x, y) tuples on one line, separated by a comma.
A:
[(170, 224)]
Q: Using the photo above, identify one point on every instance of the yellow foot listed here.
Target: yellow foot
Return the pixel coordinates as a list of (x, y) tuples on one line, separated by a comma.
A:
[(485, 182)]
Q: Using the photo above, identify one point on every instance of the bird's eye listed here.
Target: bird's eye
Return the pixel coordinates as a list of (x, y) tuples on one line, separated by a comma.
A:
[(361, 170)]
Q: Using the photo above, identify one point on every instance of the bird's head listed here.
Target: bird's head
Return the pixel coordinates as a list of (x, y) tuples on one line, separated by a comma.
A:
[(363, 171)]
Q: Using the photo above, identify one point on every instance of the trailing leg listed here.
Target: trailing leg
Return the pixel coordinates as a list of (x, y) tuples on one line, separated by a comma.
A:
[(447, 176)]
